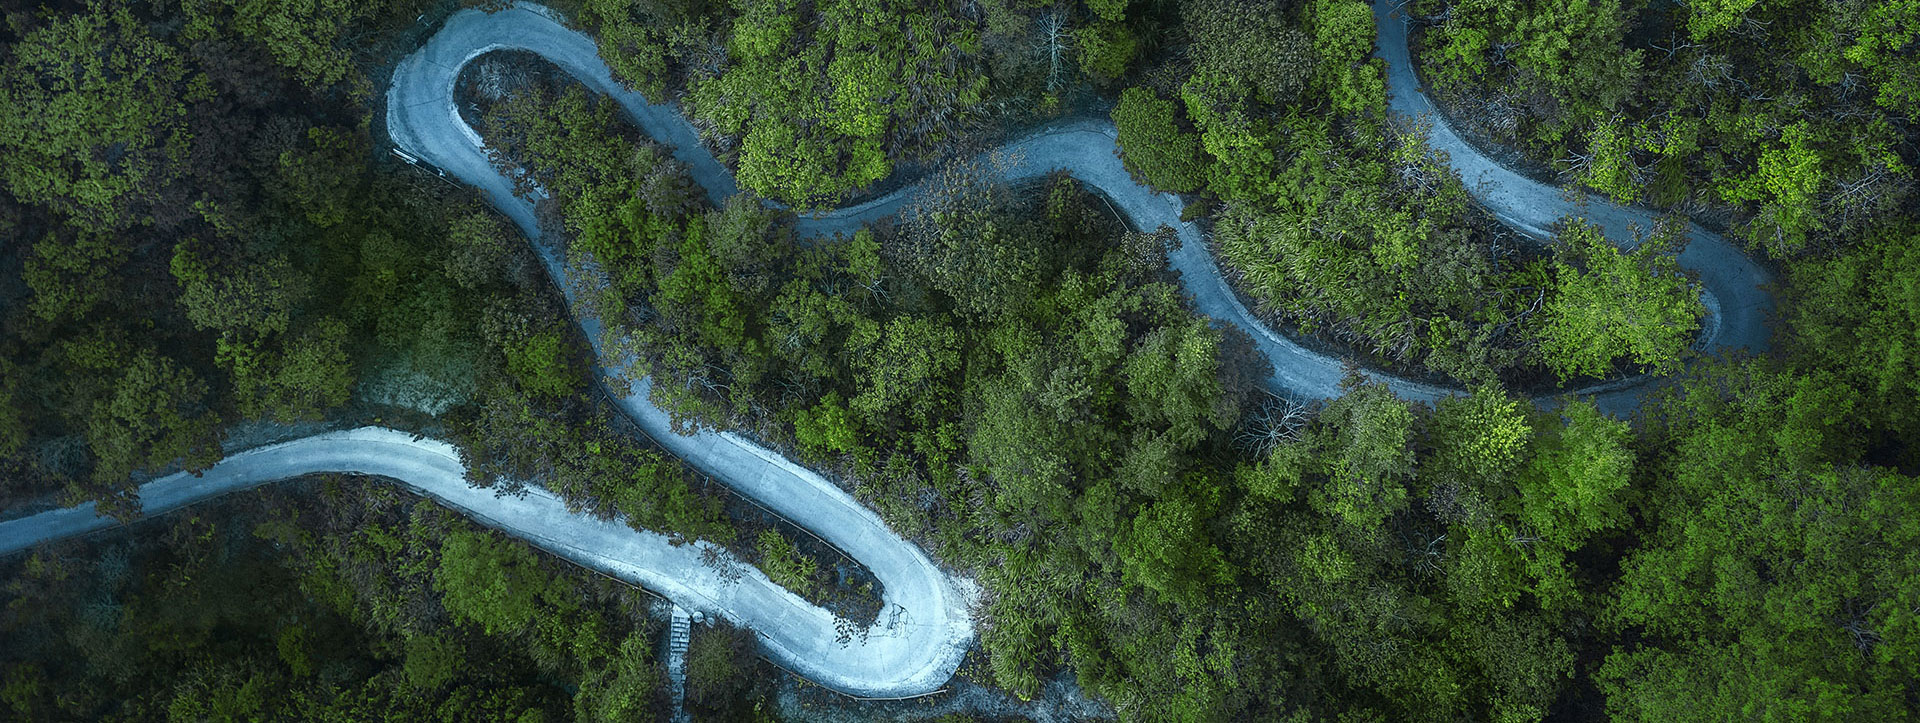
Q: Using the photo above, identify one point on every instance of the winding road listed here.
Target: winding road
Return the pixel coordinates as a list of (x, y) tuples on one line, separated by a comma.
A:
[(919, 643)]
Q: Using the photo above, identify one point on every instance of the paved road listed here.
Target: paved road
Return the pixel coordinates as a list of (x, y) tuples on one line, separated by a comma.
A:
[(914, 654), (919, 649), (1087, 149)]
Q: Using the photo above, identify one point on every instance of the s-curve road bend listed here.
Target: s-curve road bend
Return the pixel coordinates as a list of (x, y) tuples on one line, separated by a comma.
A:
[(913, 654), (426, 123), (908, 654)]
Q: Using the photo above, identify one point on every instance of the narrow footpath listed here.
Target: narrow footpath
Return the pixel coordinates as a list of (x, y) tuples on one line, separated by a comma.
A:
[(679, 633)]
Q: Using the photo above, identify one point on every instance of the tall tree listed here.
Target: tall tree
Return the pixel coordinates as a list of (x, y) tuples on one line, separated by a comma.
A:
[(306, 36), (828, 100), (491, 582), (156, 415), (1153, 144)]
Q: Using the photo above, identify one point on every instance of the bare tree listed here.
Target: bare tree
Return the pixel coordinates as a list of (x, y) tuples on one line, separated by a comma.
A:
[(1858, 622), (1054, 40), (496, 77), (1674, 44), (1869, 193), (1710, 71), (1276, 420)]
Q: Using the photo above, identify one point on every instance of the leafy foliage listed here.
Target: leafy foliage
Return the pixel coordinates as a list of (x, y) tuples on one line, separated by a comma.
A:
[(92, 118), (489, 581), (1008, 374), (827, 103), (156, 416), (1611, 303), (1851, 315), (1156, 148), (1777, 580), (305, 36), (1383, 253), (312, 603), (784, 565), (1701, 103)]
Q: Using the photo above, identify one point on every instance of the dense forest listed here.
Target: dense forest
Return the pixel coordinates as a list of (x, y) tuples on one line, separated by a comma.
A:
[(207, 245)]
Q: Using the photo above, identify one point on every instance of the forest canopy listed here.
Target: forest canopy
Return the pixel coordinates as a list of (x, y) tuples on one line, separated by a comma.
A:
[(208, 245)]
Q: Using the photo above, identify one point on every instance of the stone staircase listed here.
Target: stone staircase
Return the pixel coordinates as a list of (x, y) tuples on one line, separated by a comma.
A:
[(677, 636)]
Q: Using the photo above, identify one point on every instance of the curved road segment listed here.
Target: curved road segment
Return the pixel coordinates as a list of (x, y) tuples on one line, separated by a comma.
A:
[(926, 628), (1737, 304)]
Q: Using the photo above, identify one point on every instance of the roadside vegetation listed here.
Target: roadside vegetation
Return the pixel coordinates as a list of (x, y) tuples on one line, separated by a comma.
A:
[(205, 233), (1791, 123), (324, 599), (1341, 226)]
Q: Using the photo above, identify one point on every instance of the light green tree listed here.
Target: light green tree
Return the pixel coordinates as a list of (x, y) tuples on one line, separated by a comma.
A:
[(1365, 440), (625, 687), (901, 360), (1479, 439), (1852, 314), (236, 295), (1609, 163), (309, 374), (1343, 41), (784, 564), (1106, 49), (71, 275), (305, 36), (1172, 380), (1168, 550), (1251, 42), (155, 415), (1610, 304), (489, 581), (1706, 18), (1576, 479), (1778, 577), (828, 426), (1787, 183)]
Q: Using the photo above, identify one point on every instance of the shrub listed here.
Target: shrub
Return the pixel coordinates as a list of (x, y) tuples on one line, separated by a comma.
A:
[(1152, 144)]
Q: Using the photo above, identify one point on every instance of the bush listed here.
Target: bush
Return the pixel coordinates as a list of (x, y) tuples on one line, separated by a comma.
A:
[(827, 426), (1611, 304), (1152, 144), (1106, 49), (490, 581), (721, 672), (785, 565)]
